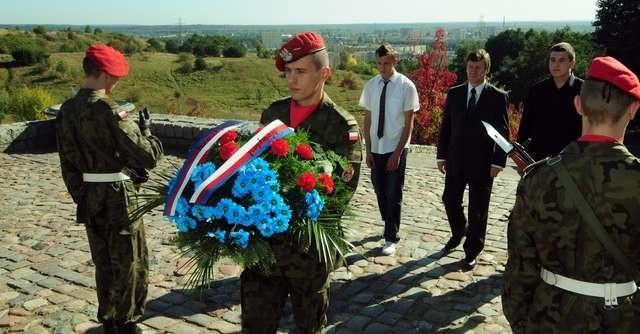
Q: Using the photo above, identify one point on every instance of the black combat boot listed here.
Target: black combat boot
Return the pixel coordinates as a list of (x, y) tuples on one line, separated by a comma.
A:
[(109, 327), (129, 328)]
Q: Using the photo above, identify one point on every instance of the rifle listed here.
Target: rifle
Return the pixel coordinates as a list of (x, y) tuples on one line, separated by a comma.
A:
[(514, 150)]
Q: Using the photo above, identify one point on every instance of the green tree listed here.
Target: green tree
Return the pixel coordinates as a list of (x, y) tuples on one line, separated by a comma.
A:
[(155, 45), (29, 56), (97, 31), (172, 46), (87, 29), (234, 51), (617, 27), (199, 64), (459, 63), (40, 29), (531, 64), (505, 44)]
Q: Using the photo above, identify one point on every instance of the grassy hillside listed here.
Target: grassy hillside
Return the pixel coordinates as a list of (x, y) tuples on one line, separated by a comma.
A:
[(229, 88)]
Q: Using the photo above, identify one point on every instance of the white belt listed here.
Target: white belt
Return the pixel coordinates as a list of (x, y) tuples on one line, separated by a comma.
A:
[(104, 177), (609, 291)]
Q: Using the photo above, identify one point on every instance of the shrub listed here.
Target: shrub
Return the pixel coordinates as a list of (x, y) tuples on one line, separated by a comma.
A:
[(350, 82), (185, 57), (200, 64), (4, 104), (39, 30), (62, 69), (185, 67), (235, 51), (134, 96), (29, 103), (29, 55)]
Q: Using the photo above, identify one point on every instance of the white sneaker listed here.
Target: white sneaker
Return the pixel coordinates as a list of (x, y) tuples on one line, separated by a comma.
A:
[(389, 248)]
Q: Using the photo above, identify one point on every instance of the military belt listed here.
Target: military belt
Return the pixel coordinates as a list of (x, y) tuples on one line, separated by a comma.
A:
[(609, 291), (104, 177)]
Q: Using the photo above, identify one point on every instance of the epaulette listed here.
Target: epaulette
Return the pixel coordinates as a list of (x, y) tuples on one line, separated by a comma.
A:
[(351, 121), (115, 108), (534, 167)]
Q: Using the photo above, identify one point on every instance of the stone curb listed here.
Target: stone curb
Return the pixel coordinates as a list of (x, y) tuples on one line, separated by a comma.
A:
[(176, 132)]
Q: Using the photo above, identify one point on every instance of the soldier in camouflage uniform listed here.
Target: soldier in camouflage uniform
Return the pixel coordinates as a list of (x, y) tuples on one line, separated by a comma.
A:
[(559, 278), (304, 61), (98, 146)]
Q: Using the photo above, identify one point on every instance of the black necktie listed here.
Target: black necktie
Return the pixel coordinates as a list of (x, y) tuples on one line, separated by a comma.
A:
[(383, 99), (472, 101)]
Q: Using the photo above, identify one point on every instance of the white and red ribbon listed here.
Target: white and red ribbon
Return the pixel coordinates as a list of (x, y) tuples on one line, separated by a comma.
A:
[(200, 148), (251, 149)]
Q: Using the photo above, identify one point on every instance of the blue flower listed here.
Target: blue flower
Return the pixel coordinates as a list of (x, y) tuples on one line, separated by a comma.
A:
[(184, 224), (224, 205), (271, 179), (182, 206), (172, 183), (218, 234), (282, 212), (266, 227), (261, 194), (240, 238), (236, 215), (315, 204), (259, 164), (202, 172), (281, 224), (203, 212), (256, 213), (241, 185)]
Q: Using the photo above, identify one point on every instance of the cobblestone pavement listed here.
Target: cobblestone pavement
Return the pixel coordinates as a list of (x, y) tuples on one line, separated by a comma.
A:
[(47, 284)]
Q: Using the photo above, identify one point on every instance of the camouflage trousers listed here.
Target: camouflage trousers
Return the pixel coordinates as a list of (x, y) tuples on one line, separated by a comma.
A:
[(264, 297), (573, 314), (122, 269)]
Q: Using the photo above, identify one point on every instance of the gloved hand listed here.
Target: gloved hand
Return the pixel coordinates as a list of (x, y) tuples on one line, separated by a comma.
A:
[(144, 121)]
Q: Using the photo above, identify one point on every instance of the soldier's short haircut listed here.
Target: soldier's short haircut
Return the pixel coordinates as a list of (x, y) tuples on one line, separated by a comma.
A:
[(564, 47), (480, 55), (386, 49), (602, 101), (320, 59), (90, 68)]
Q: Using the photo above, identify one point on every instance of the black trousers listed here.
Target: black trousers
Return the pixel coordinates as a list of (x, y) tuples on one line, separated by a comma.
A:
[(263, 299), (479, 195), (388, 186)]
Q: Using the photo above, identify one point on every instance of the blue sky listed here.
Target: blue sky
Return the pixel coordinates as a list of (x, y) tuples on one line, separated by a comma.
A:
[(279, 12)]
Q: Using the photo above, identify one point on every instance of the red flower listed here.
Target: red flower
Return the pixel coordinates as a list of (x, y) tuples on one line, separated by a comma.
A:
[(228, 149), (228, 137), (304, 151), (279, 147), (306, 181), (327, 181)]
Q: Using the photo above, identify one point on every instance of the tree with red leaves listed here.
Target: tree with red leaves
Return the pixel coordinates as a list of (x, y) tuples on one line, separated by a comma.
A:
[(432, 80)]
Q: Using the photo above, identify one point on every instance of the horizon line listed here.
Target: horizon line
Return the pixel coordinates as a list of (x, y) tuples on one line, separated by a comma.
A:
[(293, 24)]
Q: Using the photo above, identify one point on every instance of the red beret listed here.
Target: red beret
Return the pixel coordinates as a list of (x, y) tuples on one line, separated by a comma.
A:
[(614, 72), (108, 60), (300, 45)]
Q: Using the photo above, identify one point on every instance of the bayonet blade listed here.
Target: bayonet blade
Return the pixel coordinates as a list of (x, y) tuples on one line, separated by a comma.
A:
[(504, 144)]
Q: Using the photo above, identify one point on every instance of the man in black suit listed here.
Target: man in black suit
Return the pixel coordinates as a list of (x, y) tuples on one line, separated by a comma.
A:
[(468, 156)]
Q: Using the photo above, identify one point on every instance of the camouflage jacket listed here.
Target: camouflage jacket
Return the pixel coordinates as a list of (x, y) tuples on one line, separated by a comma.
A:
[(93, 138), (546, 230), (329, 126)]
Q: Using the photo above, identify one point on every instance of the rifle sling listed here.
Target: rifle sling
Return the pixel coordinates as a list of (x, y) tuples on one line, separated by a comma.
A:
[(590, 218)]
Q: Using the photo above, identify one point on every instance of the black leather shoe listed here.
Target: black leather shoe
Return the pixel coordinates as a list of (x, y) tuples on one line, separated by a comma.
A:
[(450, 246), (129, 328), (109, 327), (468, 265)]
